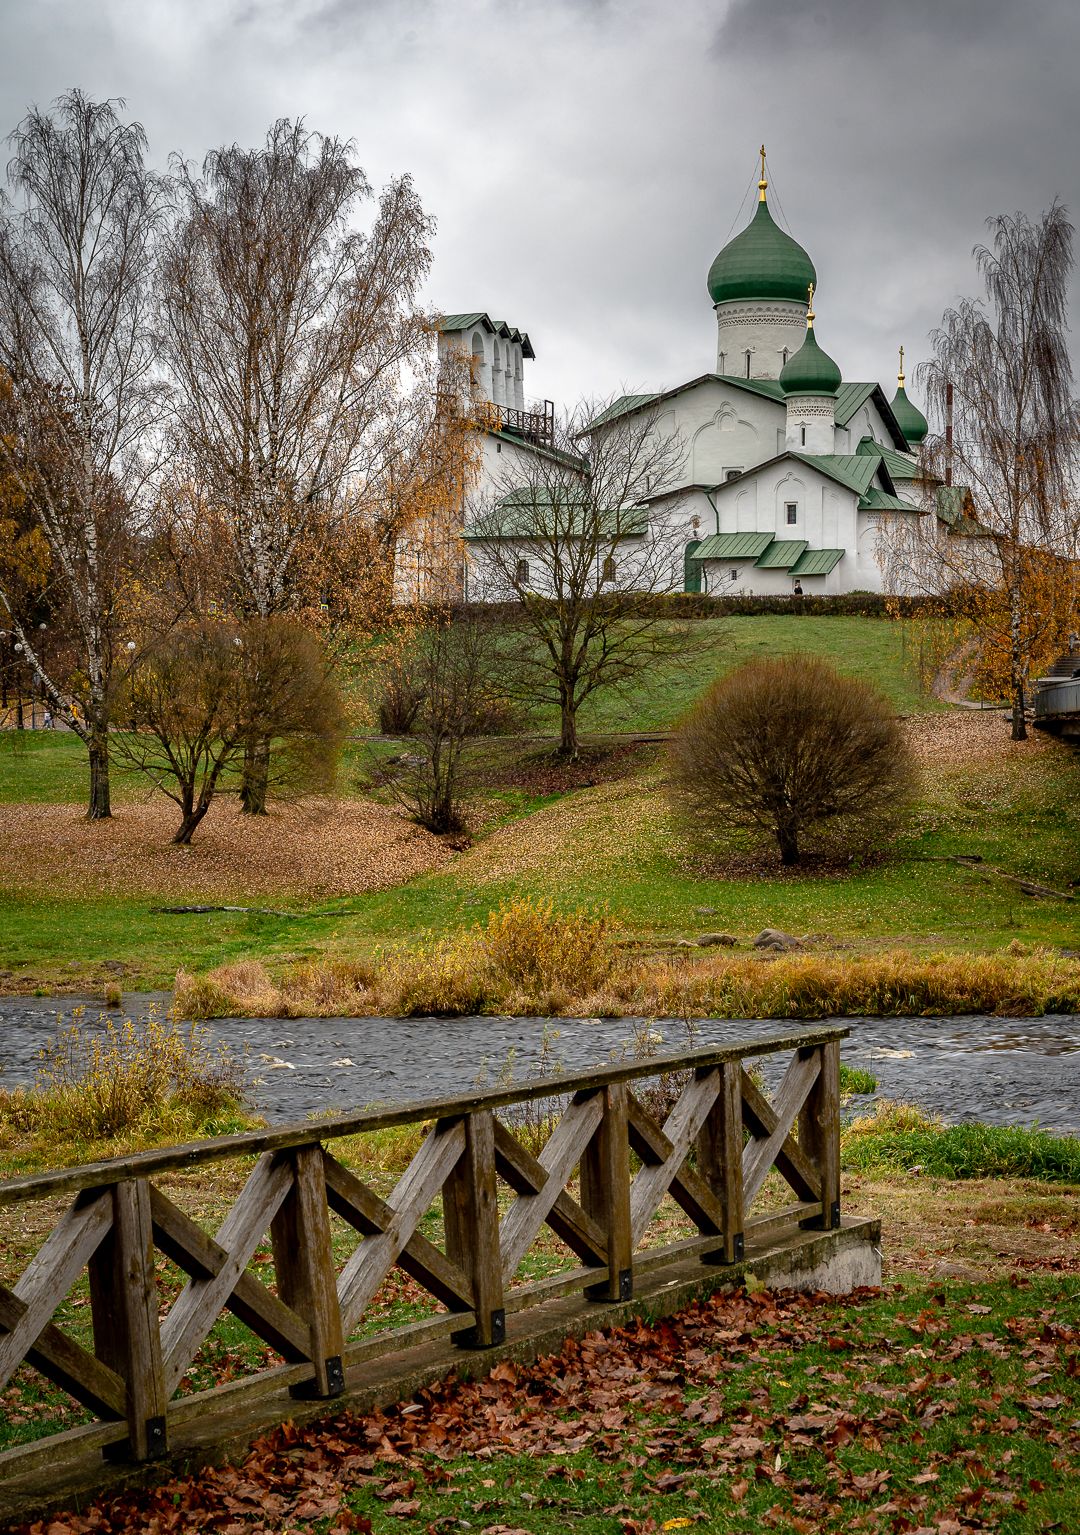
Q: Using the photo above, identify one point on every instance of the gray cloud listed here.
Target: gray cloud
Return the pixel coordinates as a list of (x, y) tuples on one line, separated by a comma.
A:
[(585, 159)]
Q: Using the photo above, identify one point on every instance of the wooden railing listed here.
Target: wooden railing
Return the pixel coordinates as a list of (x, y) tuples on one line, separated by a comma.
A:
[(711, 1155)]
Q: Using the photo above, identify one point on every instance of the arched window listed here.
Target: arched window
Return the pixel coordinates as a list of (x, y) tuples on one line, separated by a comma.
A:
[(609, 568), (746, 354), (783, 356), (723, 362)]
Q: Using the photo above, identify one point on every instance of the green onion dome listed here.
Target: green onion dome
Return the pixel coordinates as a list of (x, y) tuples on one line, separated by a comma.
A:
[(909, 418), (762, 262), (810, 370)]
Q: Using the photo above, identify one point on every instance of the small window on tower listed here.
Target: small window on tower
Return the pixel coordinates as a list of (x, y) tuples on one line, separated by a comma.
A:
[(723, 359), (802, 435), (784, 355), (747, 356), (792, 510), (609, 568), (732, 474), (521, 573)]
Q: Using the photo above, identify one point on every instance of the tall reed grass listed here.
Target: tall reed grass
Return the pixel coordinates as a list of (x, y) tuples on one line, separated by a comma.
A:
[(532, 959)]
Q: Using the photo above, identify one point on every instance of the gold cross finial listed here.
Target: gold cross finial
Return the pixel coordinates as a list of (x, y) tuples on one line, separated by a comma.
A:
[(762, 184), (900, 375), (810, 306)]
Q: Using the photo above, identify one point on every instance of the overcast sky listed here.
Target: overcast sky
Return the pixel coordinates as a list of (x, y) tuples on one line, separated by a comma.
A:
[(586, 159)]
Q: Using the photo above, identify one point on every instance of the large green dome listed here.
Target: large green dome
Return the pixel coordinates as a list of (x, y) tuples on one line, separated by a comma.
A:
[(762, 262), (810, 370), (909, 418)]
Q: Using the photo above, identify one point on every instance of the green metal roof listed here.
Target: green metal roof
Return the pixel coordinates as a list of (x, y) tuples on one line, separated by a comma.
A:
[(855, 471), (782, 553), (876, 500), (761, 262), (817, 562), (899, 467), (733, 546), (625, 405), (769, 387), (810, 370), (557, 455), (531, 512), (456, 322)]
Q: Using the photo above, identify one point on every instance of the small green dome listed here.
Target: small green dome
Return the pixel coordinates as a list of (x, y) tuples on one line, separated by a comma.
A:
[(909, 418), (762, 262), (810, 370)]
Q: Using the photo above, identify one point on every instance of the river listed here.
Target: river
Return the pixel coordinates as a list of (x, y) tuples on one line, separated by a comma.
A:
[(1017, 1071)]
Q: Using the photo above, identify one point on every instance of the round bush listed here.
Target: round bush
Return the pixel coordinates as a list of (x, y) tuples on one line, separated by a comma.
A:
[(788, 747)]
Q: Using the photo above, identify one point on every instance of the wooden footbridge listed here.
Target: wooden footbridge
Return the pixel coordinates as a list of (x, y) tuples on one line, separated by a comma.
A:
[(598, 1182)]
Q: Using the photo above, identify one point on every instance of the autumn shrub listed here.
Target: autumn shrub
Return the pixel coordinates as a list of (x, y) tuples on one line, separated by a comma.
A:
[(242, 989), (898, 1137), (151, 1076), (447, 978), (788, 748), (534, 947)]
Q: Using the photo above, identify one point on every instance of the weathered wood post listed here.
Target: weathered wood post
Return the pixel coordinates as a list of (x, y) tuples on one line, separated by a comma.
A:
[(471, 1218), (819, 1131), (304, 1264), (720, 1157), (605, 1193), (124, 1307)]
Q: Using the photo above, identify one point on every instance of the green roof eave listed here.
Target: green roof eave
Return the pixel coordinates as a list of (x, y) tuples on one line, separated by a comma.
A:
[(817, 562), (782, 553), (456, 322), (733, 546), (880, 501), (627, 404)]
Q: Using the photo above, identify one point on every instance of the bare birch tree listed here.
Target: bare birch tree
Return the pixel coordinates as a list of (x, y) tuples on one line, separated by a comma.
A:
[(288, 333), (77, 341), (568, 536), (1000, 390)]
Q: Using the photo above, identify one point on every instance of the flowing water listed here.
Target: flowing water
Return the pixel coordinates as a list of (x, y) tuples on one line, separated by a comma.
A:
[(1017, 1071)]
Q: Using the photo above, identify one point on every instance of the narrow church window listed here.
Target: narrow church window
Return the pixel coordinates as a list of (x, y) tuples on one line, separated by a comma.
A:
[(609, 568), (723, 360), (792, 509), (802, 435), (747, 364), (784, 355), (521, 574)]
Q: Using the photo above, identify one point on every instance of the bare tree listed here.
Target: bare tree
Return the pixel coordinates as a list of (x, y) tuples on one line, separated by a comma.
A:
[(1000, 390), (788, 747), (198, 692), (288, 333), (453, 664), (569, 536), (77, 340)]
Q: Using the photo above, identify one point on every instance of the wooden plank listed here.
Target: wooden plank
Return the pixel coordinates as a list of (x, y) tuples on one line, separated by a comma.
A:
[(525, 1175), (605, 1193), (253, 1143), (196, 1308), (760, 1153), (792, 1164), (719, 1160), (62, 1360), (304, 1264), (367, 1213), (687, 1187), (680, 1131), (131, 1343), (50, 1274), (819, 1131), (787, 1220), (188, 1245), (471, 1219), (560, 1156), (412, 1198)]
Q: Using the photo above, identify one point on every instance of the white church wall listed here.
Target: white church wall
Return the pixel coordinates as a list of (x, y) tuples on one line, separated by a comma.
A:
[(742, 578), (763, 330)]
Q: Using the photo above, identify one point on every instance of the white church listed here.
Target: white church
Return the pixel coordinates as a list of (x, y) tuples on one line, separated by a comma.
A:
[(791, 479)]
